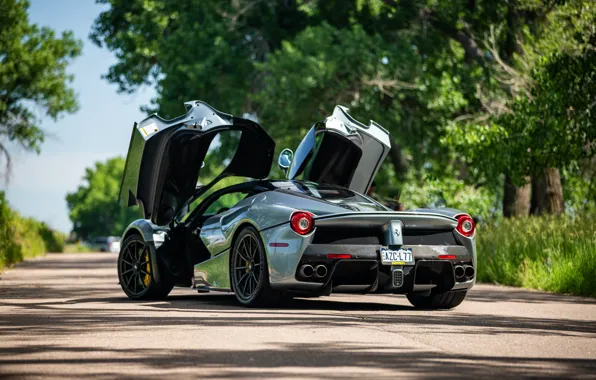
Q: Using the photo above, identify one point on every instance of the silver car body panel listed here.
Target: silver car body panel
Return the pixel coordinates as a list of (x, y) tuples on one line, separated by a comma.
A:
[(269, 213)]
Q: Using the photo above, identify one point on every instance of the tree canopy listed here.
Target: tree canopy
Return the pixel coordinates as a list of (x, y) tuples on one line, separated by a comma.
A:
[(33, 63), (94, 208), (481, 97)]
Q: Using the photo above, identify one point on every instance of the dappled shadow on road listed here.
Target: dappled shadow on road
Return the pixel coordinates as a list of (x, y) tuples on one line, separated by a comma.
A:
[(78, 299), (86, 313), (291, 360), (525, 296)]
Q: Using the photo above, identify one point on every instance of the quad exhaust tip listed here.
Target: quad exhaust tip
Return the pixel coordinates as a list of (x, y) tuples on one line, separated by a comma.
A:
[(465, 272), (320, 271), (459, 272), (307, 270)]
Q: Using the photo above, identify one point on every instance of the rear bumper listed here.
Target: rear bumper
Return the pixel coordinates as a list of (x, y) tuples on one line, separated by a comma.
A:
[(364, 271)]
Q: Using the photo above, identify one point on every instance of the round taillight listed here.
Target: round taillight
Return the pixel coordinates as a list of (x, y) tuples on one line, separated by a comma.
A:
[(465, 225), (302, 222)]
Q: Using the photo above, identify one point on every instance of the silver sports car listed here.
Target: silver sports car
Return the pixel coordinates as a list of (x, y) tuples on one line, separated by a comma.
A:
[(310, 234)]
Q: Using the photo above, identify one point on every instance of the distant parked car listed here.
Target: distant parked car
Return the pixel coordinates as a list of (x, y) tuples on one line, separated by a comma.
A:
[(105, 244)]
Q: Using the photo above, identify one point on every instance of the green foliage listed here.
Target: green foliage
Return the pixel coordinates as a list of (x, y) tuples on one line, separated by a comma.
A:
[(54, 241), (33, 64), (22, 238), (485, 87), (580, 188), (448, 192), (545, 118), (10, 250), (94, 207), (549, 253)]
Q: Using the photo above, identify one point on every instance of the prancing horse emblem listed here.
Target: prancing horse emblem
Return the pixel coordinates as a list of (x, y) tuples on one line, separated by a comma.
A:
[(397, 232)]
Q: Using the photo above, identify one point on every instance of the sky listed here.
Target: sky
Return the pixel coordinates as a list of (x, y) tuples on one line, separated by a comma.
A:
[(99, 130)]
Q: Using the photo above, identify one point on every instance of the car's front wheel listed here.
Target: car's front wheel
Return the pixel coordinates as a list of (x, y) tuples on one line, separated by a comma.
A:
[(442, 300), (136, 274), (248, 270)]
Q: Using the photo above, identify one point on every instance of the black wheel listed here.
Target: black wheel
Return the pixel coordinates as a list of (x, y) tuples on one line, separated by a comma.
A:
[(135, 272), (445, 300), (248, 270)]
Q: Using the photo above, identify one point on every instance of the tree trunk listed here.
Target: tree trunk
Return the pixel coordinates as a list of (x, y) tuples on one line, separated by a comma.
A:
[(554, 191), (547, 193), (537, 205), (397, 159), (516, 200)]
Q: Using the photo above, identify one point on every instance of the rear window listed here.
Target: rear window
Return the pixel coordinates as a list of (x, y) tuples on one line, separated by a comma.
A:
[(333, 194)]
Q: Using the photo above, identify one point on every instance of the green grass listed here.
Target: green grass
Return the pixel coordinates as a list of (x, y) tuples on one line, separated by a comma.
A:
[(76, 248), (549, 253)]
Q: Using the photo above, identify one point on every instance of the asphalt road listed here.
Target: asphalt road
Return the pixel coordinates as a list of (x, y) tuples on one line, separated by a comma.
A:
[(64, 315)]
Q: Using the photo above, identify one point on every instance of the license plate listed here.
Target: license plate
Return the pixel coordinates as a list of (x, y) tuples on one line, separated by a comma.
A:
[(402, 256)]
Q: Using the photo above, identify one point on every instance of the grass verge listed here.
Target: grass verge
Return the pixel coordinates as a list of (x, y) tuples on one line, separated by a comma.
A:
[(552, 253), (76, 248)]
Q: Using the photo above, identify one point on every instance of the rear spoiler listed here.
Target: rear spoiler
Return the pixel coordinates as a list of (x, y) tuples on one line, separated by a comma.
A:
[(415, 220)]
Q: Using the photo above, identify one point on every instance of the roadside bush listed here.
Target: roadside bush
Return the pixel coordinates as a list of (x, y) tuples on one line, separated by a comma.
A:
[(553, 253), (21, 238), (53, 240), (10, 250)]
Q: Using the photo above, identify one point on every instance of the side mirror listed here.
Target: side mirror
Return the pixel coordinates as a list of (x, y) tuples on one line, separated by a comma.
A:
[(285, 159)]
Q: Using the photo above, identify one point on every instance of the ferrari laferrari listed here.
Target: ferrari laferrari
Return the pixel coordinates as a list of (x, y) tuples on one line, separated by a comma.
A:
[(219, 224)]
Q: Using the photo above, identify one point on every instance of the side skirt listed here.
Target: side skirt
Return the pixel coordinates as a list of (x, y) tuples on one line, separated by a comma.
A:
[(214, 274)]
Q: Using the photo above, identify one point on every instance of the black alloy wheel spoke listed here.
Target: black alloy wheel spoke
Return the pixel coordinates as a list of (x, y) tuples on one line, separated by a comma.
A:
[(244, 288), (247, 267), (128, 281), (135, 271), (242, 278), (242, 256)]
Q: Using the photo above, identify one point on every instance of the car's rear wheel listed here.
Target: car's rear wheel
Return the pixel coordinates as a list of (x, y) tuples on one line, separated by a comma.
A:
[(136, 274), (443, 300), (248, 270)]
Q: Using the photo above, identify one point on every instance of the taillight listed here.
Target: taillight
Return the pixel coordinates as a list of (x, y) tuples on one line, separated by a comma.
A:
[(465, 225), (302, 222)]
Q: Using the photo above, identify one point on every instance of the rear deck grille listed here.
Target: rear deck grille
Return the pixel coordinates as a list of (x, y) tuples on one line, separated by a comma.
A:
[(343, 235), (374, 236)]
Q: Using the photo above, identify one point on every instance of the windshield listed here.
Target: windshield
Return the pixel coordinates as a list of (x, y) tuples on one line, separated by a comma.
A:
[(333, 194)]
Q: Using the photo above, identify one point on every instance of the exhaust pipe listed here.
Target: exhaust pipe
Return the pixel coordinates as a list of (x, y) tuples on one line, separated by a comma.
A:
[(459, 272), (320, 271), (307, 270), (469, 270)]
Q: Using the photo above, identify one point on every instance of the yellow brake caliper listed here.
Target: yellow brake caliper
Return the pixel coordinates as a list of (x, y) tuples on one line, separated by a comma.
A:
[(147, 276)]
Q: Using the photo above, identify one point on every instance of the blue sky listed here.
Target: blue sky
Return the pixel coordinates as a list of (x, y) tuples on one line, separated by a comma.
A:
[(99, 130)]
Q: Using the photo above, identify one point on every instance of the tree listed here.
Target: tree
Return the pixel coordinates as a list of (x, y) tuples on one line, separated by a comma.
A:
[(94, 208), (33, 63), (543, 121), (436, 74)]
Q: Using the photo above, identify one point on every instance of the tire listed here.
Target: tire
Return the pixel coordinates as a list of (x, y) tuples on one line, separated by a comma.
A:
[(135, 273), (445, 300), (249, 275)]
